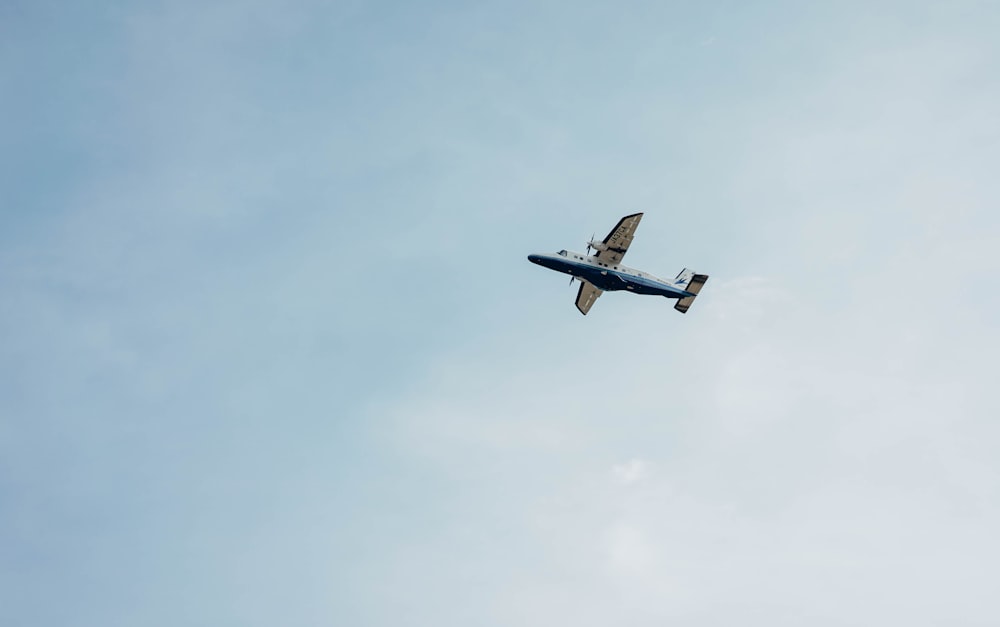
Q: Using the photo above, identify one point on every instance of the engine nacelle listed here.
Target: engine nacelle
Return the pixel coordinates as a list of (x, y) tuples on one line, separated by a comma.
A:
[(600, 246)]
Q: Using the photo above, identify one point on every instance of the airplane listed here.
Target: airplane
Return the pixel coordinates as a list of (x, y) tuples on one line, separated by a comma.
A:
[(603, 272)]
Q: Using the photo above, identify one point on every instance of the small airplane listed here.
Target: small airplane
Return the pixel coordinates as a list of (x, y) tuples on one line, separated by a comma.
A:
[(602, 272)]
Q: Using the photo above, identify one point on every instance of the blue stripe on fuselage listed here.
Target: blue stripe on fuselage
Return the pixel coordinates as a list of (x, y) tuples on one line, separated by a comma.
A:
[(607, 279)]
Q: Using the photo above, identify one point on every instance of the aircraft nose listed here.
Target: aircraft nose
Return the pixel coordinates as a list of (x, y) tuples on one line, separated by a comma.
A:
[(534, 258)]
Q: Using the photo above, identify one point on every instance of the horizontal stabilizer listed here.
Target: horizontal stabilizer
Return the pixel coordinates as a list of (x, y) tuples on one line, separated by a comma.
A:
[(694, 286)]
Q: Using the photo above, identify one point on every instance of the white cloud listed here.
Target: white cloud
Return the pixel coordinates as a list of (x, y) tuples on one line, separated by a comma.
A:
[(630, 472), (628, 548), (815, 442), (805, 457)]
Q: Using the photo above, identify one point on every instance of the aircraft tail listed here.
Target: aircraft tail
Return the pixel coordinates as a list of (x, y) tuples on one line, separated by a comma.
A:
[(691, 282)]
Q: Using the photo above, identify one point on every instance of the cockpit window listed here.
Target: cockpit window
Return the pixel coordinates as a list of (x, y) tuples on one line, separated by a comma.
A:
[(562, 252)]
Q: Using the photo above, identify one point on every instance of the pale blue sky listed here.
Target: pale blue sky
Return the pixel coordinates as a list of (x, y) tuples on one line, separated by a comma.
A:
[(271, 352)]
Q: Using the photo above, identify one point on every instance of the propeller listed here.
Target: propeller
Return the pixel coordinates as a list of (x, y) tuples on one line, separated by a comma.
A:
[(589, 242)]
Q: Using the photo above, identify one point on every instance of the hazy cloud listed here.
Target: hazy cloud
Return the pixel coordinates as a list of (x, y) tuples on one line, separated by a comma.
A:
[(270, 351)]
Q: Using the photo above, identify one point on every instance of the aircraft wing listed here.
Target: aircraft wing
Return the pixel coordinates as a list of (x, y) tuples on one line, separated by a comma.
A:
[(586, 297), (618, 240)]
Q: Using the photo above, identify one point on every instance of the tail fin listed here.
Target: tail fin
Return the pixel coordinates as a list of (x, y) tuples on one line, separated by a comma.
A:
[(692, 283), (683, 278)]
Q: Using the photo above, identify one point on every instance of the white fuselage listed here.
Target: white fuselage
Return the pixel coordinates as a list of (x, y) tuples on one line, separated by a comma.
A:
[(608, 276)]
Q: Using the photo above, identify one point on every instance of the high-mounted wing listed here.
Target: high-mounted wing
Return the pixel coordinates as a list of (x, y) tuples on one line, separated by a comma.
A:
[(586, 297), (618, 240)]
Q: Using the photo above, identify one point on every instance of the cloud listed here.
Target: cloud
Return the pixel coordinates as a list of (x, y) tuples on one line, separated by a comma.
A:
[(630, 472), (263, 337), (805, 456)]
